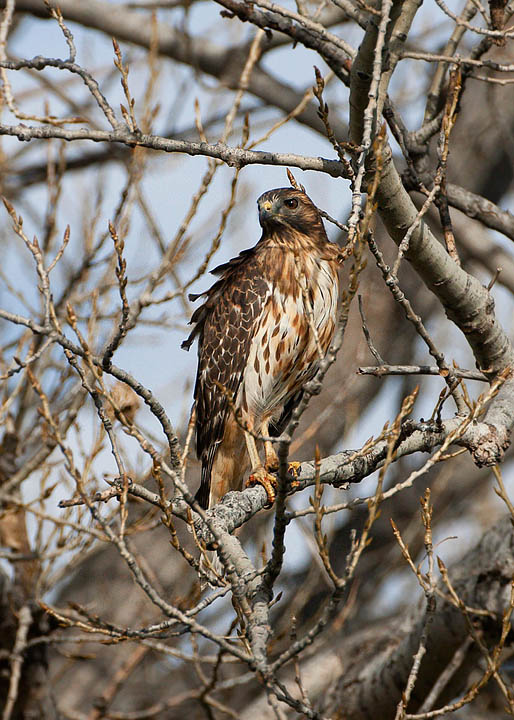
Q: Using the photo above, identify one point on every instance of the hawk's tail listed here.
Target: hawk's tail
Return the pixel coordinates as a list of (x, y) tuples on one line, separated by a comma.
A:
[(202, 495), (203, 498)]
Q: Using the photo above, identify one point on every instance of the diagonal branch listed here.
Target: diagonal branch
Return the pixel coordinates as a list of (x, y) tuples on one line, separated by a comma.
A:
[(482, 580), (466, 302)]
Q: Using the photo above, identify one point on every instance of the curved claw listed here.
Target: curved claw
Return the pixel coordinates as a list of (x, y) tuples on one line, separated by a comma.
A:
[(262, 477), (293, 468)]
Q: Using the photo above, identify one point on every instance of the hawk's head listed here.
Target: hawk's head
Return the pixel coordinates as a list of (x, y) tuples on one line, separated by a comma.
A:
[(290, 208)]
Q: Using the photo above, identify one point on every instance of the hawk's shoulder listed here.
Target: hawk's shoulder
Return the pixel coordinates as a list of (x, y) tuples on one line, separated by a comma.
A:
[(238, 276)]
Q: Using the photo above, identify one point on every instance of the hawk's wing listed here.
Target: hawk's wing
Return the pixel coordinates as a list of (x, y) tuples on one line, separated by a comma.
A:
[(225, 325)]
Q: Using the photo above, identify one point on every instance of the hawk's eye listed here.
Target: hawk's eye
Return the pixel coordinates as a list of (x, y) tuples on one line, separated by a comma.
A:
[(291, 203)]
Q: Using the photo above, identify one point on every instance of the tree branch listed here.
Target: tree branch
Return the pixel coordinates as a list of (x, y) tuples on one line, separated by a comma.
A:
[(338, 470), (482, 580), (225, 64), (233, 156), (466, 302)]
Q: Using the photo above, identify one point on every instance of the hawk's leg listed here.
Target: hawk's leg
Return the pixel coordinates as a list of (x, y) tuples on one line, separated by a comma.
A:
[(259, 474), (271, 461)]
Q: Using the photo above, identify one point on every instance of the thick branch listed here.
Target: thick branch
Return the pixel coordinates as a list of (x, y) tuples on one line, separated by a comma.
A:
[(333, 50), (477, 207), (378, 664), (236, 508), (473, 205), (466, 302), (401, 17)]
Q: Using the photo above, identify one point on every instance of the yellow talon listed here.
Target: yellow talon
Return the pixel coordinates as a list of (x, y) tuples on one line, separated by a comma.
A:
[(260, 476), (293, 469)]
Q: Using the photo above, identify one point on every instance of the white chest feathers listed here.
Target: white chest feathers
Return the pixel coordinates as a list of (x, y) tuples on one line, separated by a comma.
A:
[(293, 333)]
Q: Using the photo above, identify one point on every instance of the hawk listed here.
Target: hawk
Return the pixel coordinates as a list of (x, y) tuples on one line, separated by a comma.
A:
[(262, 331)]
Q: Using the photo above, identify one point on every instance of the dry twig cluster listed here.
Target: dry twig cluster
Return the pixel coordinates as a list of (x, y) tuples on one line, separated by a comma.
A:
[(104, 550)]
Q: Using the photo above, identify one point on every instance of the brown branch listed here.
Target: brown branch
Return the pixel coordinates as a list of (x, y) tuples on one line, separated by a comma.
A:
[(384, 369), (222, 63), (465, 300), (479, 581), (235, 157)]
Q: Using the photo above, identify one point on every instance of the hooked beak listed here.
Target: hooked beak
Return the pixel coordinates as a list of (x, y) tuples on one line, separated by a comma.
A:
[(265, 211)]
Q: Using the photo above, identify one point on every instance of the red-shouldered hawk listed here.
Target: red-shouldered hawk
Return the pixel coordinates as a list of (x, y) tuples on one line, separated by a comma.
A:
[(262, 330)]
